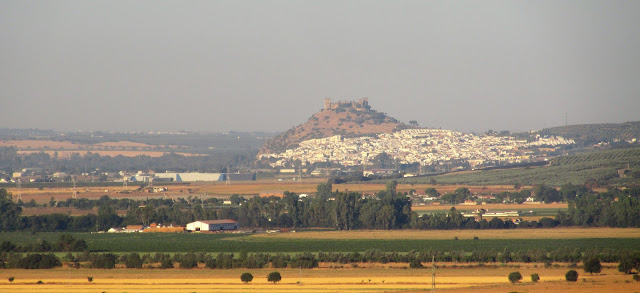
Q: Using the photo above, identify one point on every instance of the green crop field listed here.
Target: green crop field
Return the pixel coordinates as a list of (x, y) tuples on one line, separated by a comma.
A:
[(159, 242), (575, 169)]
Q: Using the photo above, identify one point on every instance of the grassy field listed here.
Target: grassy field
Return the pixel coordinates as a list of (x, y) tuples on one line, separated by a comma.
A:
[(323, 279), (350, 241), (552, 233)]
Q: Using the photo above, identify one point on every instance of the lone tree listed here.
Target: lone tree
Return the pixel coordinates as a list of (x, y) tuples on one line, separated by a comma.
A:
[(415, 264), (246, 277), (592, 265), (515, 277), (535, 278), (571, 276), (11, 279), (90, 279), (274, 277)]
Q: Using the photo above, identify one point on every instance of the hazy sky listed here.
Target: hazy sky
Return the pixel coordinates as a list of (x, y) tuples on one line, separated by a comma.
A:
[(268, 65)]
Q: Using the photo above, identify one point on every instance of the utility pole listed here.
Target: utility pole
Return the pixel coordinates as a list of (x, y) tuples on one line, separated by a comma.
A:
[(74, 192), (19, 197), (433, 273)]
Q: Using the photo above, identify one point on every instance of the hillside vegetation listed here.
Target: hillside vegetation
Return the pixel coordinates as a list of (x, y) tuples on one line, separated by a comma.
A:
[(595, 133), (599, 168), (346, 122)]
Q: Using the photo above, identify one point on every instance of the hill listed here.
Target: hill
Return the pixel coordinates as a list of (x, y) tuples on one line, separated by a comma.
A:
[(597, 167), (349, 119), (595, 133)]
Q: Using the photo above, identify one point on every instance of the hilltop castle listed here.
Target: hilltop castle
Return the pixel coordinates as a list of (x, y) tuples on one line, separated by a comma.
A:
[(360, 105)]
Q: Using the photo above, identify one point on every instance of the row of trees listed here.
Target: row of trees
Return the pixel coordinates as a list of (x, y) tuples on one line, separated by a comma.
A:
[(342, 210), (613, 208), (29, 261), (387, 209), (65, 243), (628, 260)]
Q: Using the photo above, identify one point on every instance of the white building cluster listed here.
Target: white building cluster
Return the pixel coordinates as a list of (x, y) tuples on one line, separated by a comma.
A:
[(424, 146)]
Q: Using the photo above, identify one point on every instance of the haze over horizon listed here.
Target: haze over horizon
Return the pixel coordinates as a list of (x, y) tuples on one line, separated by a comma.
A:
[(216, 66)]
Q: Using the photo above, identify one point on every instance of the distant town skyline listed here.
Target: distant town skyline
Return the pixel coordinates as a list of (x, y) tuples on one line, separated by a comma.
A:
[(218, 66)]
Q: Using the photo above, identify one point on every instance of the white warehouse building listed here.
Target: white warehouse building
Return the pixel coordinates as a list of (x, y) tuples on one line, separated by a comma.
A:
[(213, 225), (191, 177)]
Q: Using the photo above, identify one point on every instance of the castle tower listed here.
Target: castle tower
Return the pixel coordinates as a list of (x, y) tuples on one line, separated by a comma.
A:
[(327, 103), (364, 104)]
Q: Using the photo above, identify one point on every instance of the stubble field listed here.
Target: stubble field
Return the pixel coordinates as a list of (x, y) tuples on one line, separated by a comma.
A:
[(324, 279), (223, 190)]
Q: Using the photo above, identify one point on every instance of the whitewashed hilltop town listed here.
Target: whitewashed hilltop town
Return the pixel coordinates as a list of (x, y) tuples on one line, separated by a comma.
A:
[(423, 146)]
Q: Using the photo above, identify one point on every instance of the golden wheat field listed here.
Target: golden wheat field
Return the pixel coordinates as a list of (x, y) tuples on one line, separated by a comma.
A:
[(323, 279)]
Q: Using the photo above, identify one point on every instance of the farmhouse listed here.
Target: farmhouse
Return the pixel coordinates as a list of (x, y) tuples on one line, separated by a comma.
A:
[(213, 225)]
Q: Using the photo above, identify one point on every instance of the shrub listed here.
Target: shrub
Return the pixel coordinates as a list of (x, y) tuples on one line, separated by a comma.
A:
[(90, 279), (246, 277), (7, 246), (11, 279), (305, 261), (636, 278), (104, 261), (274, 277), (515, 277), (592, 265), (415, 264), (133, 261), (535, 278), (626, 265), (571, 276), (188, 261), (38, 261), (210, 263), (66, 242), (166, 263)]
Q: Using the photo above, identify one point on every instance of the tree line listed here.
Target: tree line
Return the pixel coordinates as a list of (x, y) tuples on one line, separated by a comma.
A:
[(385, 210), (628, 261)]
